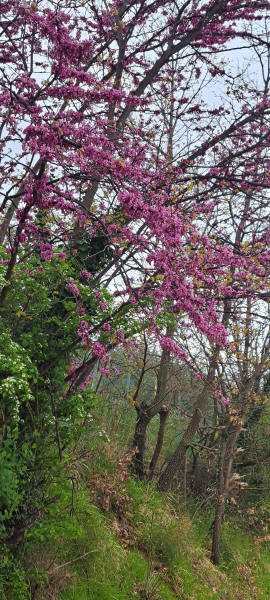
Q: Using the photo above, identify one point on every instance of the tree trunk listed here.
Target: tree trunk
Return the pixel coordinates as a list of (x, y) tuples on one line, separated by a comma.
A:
[(225, 470), (163, 414), (177, 461), (178, 458), (185, 482), (147, 412), (15, 203), (139, 441), (215, 556), (212, 438)]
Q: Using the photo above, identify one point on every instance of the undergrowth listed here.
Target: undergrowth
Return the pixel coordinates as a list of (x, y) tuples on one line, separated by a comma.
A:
[(110, 537), (104, 535)]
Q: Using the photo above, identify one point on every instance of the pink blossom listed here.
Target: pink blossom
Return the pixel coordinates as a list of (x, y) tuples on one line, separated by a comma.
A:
[(83, 331), (224, 400), (61, 255), (99, 350), (46, 251), (104, 371), (73, 288), (154, 212), (103, 305), (87, 382), (120, 336), (167, 343), (86, 274)]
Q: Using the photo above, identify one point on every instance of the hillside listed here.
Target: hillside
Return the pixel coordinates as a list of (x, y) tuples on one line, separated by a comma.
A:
[(115, 538)]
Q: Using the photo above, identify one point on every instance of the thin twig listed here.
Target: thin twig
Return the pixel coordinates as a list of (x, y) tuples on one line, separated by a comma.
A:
[(72, 561)]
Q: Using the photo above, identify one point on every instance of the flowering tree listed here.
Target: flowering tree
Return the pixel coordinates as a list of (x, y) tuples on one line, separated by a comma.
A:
[(132, 149), (83, 148), (127, 138), (241, 230)]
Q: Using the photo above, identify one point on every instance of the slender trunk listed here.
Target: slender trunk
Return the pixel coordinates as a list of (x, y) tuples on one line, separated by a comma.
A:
[(163, 415), (147, 412), (185, 482), (225, 470), (194, 463), (15, 202), (215, 556), (139, 441), (177, 460), (13, 257), (212, 438), (194, 468)]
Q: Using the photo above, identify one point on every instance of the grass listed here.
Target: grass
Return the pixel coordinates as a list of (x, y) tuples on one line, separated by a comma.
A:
[(142, 546)]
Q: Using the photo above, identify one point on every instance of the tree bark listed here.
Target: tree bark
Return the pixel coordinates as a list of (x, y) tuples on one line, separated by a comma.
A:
[(215, 555), (163, 415), (225, 471), (147, 412), (185, 482), (15, 202), (177, 460), (139, 441)]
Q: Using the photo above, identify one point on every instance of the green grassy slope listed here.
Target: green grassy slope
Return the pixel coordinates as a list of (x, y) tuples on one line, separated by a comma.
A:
[(122, 540)]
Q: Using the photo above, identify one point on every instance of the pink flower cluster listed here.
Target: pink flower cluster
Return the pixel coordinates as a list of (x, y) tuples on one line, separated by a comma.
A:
[(170, 345), (218, 395), (99, 350), (73, 288)]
